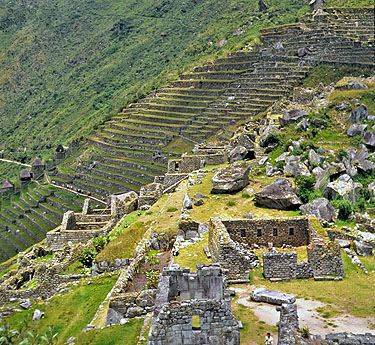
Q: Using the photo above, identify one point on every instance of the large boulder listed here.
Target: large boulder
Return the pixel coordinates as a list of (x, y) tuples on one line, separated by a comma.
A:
[(369, 138), (271, 296), (237, 154), (320, 208), (279, 195), (362, 248), (314, 158), (230, 179), (296, 169), (291, 116), (354, 130), (360, 114), (351, 85), (263, 139), (345, 187)]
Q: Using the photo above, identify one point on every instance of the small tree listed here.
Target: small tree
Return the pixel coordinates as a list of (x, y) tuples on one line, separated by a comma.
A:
[(305, 185), (86, 256), (344, 208)]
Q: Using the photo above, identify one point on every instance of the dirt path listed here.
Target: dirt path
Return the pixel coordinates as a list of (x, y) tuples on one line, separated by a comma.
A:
[(308, 315), (14, 162)]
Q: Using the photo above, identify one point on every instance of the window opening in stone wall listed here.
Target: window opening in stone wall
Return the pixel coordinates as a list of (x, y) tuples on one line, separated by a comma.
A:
[(291, 231), (259, 232), (243, 232), (275, 231), (196, 322)]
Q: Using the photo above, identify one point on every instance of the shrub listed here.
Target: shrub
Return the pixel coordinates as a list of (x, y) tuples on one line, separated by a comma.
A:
[(148, 213), (305, 332), (100, 242), (273, 139), (280, 165), (152, 258), (305, 185), (152, 279), (86, 256), (246, 195), (344, 208), (231, 203), (172, 209), (341, 154)]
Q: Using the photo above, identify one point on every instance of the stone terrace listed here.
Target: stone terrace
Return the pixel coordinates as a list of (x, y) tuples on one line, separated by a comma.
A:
[(134, 147)]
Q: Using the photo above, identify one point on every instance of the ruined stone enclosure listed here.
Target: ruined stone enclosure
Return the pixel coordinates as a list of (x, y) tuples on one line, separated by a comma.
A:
[(229, 240), (193, 308)]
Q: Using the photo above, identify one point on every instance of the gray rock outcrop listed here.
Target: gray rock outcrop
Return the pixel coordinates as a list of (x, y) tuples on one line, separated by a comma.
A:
[(354, 130), (320, 208), (230, 179), (369, 138), (291, 116), (362, 248), (345, 187), (360, 114), (279, 195), (296, 169)]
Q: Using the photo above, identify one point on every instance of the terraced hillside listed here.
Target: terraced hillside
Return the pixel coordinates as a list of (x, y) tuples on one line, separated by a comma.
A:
[(134, 146), (25, 219)]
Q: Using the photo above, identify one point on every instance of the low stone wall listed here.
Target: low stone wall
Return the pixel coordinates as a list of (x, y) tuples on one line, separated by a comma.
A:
[(280, 266), (293, 231), (334, 234), (172, 179), (284, 266), (57, 239), (235, 260), (326, 260), (100, 267), (129, 305)]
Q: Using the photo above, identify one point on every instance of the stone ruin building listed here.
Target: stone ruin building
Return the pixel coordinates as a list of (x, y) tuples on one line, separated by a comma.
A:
[(26, 177), (193, 308), (81, 227), (229, 241), (37, 168), (7, 188)]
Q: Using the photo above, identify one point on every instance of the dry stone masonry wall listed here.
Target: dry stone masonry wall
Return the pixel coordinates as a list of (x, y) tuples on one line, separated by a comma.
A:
[(172, 322)]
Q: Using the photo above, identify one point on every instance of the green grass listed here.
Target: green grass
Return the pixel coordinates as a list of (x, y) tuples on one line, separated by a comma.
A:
[(69, 313), (114, 335), (193, 254), (254, 330), (337, 293)]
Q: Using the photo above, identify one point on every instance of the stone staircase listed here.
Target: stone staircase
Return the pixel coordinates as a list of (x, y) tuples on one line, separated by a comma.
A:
[(28, 216), (134, 147)]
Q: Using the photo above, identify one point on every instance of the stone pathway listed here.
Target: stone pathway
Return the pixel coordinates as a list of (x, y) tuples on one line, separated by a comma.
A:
[(308, 315)]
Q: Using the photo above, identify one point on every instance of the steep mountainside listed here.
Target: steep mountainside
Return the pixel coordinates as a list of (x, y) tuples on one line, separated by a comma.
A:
[(66, 66)]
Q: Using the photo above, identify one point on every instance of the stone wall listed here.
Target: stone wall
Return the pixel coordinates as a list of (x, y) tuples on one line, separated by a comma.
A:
[(57, 239), (280, 266), (288, 325), (293, 231), (174, 325), (284, 266), (335, 234), (172, 321), (100, 267), (325, 260), (172, 179), (235, 260), (129, 305), (150, 194)]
